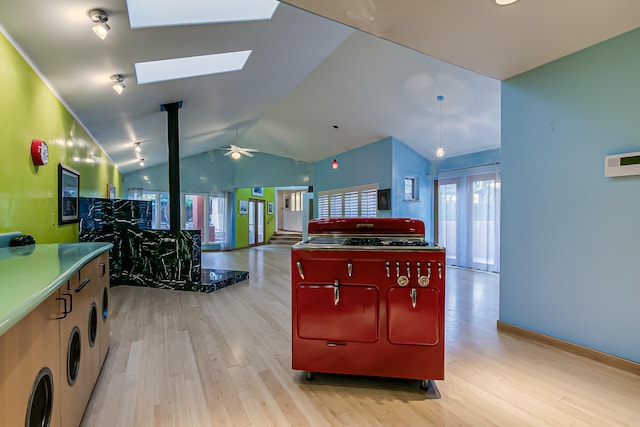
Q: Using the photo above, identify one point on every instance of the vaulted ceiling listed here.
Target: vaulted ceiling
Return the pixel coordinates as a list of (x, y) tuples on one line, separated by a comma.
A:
[(307, 73)]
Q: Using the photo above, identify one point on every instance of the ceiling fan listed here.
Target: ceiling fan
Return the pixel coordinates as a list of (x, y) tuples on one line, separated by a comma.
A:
[(235, 151)]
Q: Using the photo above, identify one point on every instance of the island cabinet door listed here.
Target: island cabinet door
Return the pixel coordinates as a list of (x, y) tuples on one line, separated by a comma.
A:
[(30, 368)]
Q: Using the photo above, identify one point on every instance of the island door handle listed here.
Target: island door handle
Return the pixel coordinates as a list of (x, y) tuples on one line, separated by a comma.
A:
[(300, 271), (64, 309), (84, 283), (350, 269), (336, 292), (414, 296)]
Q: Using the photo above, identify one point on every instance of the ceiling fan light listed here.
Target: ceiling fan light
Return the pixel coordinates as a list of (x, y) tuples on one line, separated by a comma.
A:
[(440, 152), (118, 85), (100, 17), (504, 2), (235, 155), (101, 30)]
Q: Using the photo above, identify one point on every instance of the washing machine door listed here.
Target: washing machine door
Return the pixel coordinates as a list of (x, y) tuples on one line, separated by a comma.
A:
[(40, 403)]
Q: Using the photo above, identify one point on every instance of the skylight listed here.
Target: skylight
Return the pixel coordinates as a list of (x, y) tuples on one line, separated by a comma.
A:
[(180, 68), (157, 13)]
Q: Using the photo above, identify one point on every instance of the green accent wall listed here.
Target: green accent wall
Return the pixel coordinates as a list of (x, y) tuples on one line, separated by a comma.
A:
[(242, 220), (28, 194)]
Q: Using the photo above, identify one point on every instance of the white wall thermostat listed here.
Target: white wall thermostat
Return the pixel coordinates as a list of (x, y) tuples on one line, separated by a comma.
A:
[(622, 164)]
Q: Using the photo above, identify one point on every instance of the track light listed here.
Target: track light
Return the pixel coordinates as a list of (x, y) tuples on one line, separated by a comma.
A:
[(141, 162), (100, 17), (137, 147), (118, 84)]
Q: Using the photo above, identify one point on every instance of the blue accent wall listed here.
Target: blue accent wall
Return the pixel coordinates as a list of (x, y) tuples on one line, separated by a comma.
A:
[(365, 165), (481, 158), (213, 172), (408, 163), (571, 237)]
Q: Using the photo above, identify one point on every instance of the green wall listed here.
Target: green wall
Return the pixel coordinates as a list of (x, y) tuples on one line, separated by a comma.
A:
[(28, 194), (242, 221)]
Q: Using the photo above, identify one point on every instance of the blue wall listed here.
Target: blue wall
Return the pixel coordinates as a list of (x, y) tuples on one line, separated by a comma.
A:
[(408, 163), (212, 172), (364, 165), (385, 162), (481, 158), (571, 237)]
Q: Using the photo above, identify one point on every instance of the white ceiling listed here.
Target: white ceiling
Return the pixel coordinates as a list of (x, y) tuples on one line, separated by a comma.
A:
[(307, 73)]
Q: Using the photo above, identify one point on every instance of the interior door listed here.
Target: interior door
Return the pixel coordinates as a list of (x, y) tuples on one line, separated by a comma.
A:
[(252, 222), (260, 222), (256, 222)]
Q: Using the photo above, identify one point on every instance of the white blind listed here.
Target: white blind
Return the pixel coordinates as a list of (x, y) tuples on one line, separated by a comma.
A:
[(369, 203), (335, 205), (323, 206), (349, 202)]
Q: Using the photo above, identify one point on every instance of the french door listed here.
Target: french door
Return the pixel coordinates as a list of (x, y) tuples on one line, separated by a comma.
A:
[(469, 220), (256, 222)]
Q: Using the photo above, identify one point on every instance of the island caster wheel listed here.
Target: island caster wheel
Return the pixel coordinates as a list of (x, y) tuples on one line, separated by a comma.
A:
[(430, 388), (309, 376)]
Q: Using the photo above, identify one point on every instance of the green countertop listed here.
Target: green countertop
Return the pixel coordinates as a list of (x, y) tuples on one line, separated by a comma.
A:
[(30, 274)]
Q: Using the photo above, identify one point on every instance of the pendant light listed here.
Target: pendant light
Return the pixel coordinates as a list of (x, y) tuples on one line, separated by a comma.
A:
[(334, 164), (440, 149)]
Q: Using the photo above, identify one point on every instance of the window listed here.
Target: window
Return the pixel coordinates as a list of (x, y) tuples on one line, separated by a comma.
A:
[(411, 188), (296, 201), (160, 209), (348, 202)]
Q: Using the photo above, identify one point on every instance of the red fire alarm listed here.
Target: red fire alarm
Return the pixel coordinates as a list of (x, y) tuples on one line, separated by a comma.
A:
[(39, 152)]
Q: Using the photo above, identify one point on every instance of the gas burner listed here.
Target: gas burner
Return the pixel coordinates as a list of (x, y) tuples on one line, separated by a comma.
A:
[(406, 242), (363, 241)]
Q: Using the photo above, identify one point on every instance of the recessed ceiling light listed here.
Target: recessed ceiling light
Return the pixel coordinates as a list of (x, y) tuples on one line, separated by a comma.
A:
[(157, 13), (504, 2), (180, 68)]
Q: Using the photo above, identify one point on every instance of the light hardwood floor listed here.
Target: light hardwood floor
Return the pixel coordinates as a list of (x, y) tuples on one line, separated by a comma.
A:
[(223, 359)]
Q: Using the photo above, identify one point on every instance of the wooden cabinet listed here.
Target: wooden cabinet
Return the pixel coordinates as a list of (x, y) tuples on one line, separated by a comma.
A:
[(27, 349), (84, 322), (65, 338)]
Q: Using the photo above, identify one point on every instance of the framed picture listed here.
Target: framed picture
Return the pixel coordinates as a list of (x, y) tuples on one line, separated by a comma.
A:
[(111, 191), (257, 191), (68, 194), (384, 200), (243, 207), (270, 208)]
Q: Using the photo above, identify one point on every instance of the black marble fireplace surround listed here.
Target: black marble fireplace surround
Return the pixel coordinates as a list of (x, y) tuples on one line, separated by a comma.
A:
[(143, 257)]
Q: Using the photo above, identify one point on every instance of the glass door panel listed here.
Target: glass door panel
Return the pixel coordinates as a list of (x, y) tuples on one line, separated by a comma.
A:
[(260, 221), (252, 222), (484, 221), (448, 218)]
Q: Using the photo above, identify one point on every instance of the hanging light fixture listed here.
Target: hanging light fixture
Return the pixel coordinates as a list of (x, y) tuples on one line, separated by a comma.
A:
[(118, 83), (334, 164), (440, 149), (100, 17), (141, 162)]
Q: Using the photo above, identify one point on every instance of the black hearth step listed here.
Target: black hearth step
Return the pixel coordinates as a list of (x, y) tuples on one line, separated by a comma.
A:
[(214, 279)]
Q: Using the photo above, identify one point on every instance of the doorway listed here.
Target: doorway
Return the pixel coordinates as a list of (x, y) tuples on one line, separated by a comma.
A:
[(256, 222)]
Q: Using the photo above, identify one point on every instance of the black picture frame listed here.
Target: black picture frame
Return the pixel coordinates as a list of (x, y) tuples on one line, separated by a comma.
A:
[(384, 199), (68, 194)]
